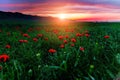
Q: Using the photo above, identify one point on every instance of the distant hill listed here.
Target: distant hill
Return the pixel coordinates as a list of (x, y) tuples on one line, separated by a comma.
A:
[(20, 16)]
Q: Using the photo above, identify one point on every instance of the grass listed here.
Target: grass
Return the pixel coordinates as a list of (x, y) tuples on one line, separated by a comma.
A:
[(98, 61)]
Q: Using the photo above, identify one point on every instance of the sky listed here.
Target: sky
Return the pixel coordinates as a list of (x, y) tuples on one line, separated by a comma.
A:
[(81, 10)]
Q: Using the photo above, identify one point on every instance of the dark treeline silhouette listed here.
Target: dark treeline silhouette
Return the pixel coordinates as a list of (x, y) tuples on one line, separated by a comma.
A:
[(20, 16)]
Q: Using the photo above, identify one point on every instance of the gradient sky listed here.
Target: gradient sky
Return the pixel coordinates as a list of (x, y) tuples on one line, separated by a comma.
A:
[(82, 10)]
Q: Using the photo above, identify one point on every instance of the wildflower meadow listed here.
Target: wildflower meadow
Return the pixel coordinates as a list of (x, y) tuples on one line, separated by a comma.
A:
[(89, 51)]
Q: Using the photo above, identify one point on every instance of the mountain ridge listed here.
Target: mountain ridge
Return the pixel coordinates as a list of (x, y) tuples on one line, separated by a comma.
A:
[(21, 16)]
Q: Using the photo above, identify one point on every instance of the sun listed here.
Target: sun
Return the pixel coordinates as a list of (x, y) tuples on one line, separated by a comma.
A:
[(62, 16)]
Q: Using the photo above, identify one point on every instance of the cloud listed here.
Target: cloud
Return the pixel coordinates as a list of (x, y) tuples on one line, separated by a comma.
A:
[(97, 9)]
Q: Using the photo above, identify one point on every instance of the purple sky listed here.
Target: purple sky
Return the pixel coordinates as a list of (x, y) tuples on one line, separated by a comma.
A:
[(86, 10)]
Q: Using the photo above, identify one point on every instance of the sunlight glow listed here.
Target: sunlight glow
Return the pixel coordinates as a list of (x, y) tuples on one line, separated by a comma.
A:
[(62, 16), (70, 16)]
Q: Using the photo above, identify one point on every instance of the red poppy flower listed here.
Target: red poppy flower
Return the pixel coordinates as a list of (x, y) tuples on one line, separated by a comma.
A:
[(72, 45), (25, 41), (21, 41), (66, 36), (81, 49), (65, 41), (35, 39), (60, 37), (55, 31), (87, 35), (8, 46), (78, 34), (40, 35), (0, 68), (46, 39), (52, 51), (4, 58), (69, 30), (62, 46), (66, 30), (25, 35), (106, 36), (73, 40)]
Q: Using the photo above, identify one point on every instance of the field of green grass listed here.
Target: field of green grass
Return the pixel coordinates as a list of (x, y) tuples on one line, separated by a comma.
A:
[(81, 51)]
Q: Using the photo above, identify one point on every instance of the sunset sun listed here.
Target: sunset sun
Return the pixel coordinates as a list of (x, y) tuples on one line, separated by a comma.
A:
[(62, 16)]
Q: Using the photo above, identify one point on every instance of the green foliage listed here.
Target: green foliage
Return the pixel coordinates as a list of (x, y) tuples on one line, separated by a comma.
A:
[(32, 61)]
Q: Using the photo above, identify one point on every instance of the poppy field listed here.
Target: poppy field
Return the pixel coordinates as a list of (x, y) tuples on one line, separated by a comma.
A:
[(60, 52)]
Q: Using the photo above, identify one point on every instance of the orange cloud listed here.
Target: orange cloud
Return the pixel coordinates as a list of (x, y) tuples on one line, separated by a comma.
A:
[(74, 11)]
